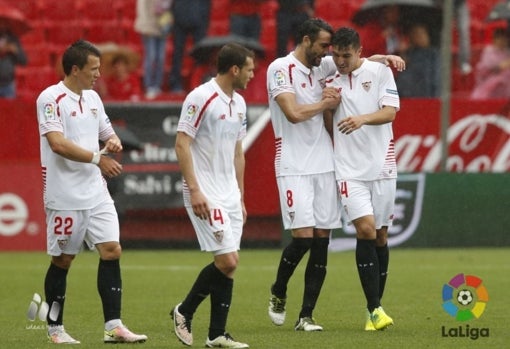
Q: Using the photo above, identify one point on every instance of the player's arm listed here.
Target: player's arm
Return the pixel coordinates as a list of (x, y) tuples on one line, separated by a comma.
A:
[(239, 164), (382, 116), (394, 61), (328, 122), (185, 158), (67, 149), (71, 151), (296, 113)]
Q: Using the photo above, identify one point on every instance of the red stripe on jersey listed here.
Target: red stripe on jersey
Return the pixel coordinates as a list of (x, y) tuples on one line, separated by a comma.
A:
[(390, 154), (58, 100), (278, 148), (215, 94), (43, 170), (291, 66)]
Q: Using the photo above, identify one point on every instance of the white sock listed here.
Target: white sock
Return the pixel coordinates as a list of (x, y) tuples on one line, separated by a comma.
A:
[(110, 325)]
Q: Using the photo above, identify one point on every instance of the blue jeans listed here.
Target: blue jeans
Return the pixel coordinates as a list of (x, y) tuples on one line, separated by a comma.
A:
[(8, 91), (154, 61), (191, 18), (247, 26)]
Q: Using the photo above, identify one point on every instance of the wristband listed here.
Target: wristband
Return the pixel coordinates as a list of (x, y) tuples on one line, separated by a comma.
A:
[(95, 158)]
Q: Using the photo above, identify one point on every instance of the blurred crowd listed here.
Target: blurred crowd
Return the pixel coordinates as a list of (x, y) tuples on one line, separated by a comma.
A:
[(170, 30)]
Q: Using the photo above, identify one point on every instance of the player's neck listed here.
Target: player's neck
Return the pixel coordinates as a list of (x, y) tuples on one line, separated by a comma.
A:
[(225, 84), (72, 85), (299, 53)]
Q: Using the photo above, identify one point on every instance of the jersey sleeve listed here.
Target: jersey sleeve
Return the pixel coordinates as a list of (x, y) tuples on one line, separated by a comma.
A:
[(48, 114), (388, 89), (244, 121), (279, 79), (191, 113), (105, 126)]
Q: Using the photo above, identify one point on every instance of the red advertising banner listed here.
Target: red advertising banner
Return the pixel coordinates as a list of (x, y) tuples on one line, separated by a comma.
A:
[(22, 219), (478, 138)]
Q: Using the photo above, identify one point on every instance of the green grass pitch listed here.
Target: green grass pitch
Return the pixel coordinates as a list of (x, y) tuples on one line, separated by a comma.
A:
[(154, 281)]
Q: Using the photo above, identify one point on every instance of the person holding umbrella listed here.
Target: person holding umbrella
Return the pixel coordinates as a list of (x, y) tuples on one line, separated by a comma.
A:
[(11, 54)]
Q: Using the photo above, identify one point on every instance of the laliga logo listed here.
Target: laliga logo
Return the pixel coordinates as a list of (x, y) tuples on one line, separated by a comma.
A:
[(465, 298)]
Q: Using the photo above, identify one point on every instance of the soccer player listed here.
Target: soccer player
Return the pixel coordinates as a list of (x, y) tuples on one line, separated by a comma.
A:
[(304, 163), (210, 154), (79, 209), (365, 164)]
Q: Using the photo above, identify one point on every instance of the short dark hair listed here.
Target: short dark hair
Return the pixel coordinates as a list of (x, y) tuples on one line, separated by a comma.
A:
[(77, 54), (311, 28), (345, 37), (232, 54)]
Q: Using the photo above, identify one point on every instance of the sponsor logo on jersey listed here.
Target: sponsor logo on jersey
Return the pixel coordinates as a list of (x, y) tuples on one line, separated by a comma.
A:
[(191, 111), (279, 78), (49, 111)]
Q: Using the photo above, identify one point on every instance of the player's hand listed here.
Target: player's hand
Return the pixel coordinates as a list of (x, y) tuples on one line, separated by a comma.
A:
[(109, 167), (331, 96), (199, 204), (350, 124), (112, 145), (396, 62)]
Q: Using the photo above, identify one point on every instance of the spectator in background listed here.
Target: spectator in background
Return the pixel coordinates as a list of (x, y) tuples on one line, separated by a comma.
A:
[(121, 84), (191, 18), (290, 15), (422, 75), (11, 54), (153, 21), (245, 18), (385, 34), (492, 72), (463, 18)]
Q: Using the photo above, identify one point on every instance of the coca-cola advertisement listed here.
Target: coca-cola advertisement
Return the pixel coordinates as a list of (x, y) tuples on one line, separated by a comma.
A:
[(478, 137)]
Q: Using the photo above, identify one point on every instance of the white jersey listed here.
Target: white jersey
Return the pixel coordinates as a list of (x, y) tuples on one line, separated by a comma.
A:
[(368, 153), (72, 185), (216, 122), (303, 148)]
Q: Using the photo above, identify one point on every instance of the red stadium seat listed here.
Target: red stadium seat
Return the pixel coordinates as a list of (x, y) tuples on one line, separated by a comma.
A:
[(62, 33), (99, 10)]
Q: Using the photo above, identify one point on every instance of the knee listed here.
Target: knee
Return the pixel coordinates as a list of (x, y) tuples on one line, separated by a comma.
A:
[(227, 264), (63, 261), (382, 237), (109, 250)]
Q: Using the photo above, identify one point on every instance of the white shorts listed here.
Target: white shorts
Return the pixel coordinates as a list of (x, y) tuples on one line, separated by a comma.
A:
[(309, 201), (369, 198), (67, 230), (222, 232)]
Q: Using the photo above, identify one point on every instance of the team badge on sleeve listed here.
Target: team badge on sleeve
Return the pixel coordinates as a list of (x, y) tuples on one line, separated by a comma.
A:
[(191, 111), (49, 111), (279, 78)]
